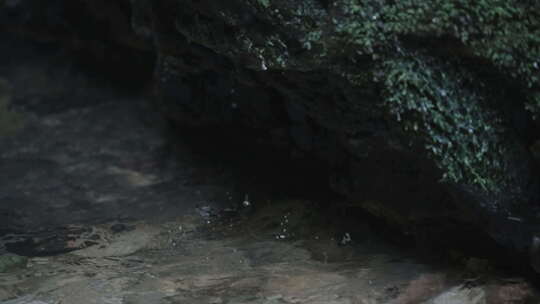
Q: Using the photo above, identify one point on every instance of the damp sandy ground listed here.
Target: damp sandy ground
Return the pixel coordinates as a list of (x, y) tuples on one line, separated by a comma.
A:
[(106, 210)]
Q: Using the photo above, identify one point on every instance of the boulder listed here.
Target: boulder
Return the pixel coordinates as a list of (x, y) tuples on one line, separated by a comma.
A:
[(424, 113)]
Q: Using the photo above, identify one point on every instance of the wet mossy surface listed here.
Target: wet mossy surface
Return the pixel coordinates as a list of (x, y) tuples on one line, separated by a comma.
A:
[(416, 53)]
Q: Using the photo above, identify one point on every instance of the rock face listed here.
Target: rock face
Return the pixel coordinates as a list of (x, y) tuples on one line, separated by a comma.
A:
[(420, 111), (423, 112)]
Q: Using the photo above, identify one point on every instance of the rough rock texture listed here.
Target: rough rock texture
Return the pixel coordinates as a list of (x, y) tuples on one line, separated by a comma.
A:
[(419, 109), (423, 112)]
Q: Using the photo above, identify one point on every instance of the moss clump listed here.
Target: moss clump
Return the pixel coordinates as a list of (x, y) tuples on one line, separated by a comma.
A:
[(432, 101), (9, 262), (400, 46), (505, 33)]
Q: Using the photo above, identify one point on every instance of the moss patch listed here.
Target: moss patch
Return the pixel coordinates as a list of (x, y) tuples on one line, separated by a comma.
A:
[(9, 262), (417, 52), (432, 101)]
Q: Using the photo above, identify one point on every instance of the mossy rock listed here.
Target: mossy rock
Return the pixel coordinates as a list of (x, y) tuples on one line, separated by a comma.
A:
[(9, 262), (440, 94)]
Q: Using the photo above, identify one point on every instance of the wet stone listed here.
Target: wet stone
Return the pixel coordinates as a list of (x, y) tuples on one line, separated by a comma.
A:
[(10, 262)]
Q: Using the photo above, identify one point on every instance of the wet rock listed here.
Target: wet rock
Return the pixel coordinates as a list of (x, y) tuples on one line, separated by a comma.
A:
[(247, 266), (51, 241), (121, 244), (517, 291), (215, 300), (26, 300), (10, 262), (459, 295), (308, 80), (422, 288)]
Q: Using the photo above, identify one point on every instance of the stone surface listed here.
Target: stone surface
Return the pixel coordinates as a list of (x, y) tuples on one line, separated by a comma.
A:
[(459, 295)]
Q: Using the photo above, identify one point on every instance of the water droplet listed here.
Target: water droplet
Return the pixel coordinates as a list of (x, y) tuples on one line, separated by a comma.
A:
[(246, 202)]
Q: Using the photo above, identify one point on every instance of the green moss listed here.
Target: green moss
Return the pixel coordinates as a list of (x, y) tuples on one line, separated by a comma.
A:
[(504, 33), (400, 46), (9, 262), (507, 33), (265, 3), (463, 136)]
